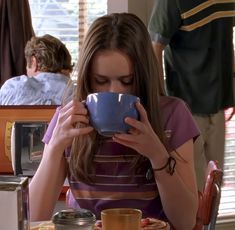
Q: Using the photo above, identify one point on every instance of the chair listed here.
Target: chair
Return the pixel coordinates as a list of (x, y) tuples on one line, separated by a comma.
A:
[(209, 199)]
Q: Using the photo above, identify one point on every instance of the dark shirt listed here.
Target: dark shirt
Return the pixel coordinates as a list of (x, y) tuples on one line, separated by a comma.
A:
[(199, 51)]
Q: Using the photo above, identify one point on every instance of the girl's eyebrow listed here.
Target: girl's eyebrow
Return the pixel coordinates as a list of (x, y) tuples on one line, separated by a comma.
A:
[(122, 76)]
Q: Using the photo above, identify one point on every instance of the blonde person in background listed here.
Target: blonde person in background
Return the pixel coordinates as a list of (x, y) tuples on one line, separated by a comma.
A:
[(48, 72)]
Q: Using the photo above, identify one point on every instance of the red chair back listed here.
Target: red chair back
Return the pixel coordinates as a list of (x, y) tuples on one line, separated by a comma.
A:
[(209, 199)]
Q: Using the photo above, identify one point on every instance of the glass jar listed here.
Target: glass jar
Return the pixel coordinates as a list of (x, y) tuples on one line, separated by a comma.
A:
[(74, 219), (14, 205)]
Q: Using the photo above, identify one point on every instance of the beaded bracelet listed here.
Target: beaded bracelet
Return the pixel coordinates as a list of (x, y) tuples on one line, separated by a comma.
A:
[(170, 165)]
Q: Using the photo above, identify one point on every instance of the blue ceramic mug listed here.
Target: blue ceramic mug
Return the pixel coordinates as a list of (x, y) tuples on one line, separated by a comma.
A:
[(107, 111)]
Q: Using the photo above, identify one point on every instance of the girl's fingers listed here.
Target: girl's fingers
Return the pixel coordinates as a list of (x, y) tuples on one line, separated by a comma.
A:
[(78, 118), (65, 138), (125, 140), (134, 124), (73, 108), (80, 131), (142, 112), (68, 105), (125, 137), (133, 131), (143, 118)]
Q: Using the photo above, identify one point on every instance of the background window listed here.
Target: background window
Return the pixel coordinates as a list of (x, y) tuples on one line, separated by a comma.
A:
[(67, 20), (227, 202)]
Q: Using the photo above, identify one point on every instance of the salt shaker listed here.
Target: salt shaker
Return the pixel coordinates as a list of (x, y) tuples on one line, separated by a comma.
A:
[(74, 219)]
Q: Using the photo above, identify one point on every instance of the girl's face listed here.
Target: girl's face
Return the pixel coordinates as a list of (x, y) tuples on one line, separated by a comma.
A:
[(112, 71)]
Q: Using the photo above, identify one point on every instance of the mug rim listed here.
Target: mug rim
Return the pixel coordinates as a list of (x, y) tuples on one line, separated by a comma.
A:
[(114, 211), (113, 93)]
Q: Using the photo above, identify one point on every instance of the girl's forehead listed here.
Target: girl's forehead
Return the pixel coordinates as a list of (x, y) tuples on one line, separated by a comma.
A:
[(110, 53), (109, 61)]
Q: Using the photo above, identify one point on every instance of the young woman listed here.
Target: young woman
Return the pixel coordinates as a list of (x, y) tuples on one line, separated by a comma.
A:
[(151, 167)]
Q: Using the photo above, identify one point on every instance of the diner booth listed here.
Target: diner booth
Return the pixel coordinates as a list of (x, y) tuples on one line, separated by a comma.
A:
[(21, 131)]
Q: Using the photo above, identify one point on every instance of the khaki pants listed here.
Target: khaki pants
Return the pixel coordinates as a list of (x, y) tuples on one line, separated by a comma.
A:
[(210, 144)]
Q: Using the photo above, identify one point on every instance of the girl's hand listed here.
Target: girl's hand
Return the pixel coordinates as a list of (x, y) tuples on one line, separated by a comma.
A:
[(141, 137), (66, 128)]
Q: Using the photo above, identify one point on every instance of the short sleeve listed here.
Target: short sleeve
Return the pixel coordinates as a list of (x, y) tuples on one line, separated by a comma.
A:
[(165, 21), (179, 124), (47, 136)]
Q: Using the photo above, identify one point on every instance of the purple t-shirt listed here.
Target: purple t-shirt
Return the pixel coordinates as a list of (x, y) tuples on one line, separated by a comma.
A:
[(114, 182)]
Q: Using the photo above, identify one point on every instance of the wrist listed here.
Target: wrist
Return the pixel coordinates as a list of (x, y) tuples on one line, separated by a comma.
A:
[(159, 158), (54, 148), (169, 166)]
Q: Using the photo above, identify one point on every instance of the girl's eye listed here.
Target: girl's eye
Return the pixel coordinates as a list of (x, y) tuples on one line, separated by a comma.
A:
[(100, 80), (127, 81)]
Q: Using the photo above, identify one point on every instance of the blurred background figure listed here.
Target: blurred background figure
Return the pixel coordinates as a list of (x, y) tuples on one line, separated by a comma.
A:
[(197, 40), (15, 30), (48, 72)]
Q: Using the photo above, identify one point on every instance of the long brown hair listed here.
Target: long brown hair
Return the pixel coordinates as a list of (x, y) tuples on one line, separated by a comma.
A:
[(127, 33)]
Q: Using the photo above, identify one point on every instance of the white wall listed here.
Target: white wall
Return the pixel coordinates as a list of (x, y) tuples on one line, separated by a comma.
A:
[(117, 6), (142, 8)]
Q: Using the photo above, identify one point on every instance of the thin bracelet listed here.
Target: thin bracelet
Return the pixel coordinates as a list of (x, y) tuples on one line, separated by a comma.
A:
[(170, 165), (171, 162)]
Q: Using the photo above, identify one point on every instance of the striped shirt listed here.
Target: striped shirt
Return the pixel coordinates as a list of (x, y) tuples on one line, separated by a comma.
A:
[(115, 184)]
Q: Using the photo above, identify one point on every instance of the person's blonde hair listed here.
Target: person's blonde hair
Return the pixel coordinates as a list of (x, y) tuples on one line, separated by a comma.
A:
[(51, 54), (127, 33)]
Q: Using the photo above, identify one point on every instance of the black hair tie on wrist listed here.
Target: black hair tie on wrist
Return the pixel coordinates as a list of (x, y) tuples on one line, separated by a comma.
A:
[(170, 168)]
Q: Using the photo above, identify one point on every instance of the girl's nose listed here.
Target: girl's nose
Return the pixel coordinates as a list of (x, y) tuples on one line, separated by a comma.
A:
[(116, 87)]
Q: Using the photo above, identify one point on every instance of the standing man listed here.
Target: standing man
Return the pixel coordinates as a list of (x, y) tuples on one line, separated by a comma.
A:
[(197, 39)]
